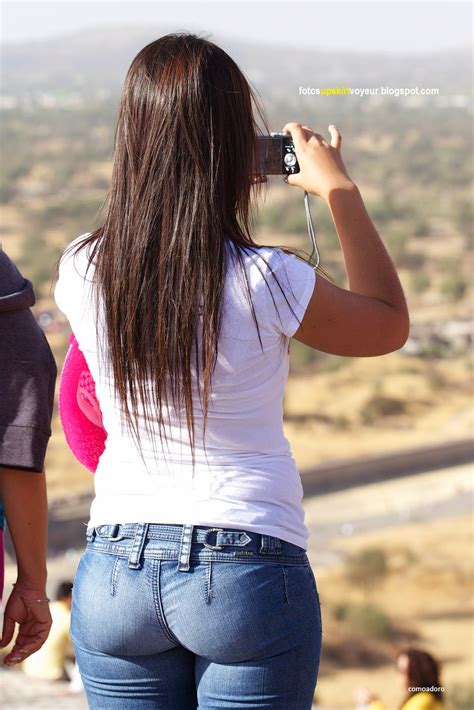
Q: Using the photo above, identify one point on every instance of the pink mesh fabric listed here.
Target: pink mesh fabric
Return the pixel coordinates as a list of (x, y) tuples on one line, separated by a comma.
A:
[(79, 409)]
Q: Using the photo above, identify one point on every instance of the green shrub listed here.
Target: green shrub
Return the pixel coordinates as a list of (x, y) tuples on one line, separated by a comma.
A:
[(436, 379), (420, 282), (434, 350), (370, 620), (421, 228), (366, 567), (341, 422), (409, 556), (340, 612), (454, 286), (382, 406)]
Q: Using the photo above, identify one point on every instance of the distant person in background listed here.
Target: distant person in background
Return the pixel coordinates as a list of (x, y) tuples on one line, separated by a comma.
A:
[(49, 662), (419, 676), (27, 379)]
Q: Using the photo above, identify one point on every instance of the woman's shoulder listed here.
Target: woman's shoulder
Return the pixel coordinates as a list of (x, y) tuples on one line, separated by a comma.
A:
[(71, 251), (72, 273), (261, 261)]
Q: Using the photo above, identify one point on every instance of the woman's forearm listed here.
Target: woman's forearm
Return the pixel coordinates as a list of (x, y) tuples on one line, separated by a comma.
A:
[(369, 268), (25, 501)]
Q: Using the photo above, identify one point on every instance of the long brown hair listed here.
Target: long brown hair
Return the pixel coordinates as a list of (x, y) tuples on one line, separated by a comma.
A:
[(184, 151), (423, 672)]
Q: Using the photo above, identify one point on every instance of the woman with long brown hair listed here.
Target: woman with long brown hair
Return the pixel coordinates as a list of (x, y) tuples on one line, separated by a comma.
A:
[(195, 588), (419, 674)]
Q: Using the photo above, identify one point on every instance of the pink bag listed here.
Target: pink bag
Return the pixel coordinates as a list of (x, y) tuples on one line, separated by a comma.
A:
[(79, 409)]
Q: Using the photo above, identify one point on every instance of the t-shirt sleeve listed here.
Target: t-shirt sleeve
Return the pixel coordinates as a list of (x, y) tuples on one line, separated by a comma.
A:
[(286, 303), (64, 294)]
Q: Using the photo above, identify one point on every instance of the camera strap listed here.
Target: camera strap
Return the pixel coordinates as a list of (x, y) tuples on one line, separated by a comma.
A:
[(311, 232)]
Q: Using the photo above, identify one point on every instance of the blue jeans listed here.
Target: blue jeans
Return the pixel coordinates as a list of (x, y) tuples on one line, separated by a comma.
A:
[(179, 617)]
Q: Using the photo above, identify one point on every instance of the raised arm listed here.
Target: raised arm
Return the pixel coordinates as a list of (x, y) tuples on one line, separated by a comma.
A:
[(371, 317)]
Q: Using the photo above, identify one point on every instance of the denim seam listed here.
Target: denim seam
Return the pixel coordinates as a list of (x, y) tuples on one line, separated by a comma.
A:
[(156, 591), (110, 549), (285, 582), (315, 587), (209, 583), (114, 577)]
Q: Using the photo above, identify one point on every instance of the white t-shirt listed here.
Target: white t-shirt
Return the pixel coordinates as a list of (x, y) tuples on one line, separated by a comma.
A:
[(249, 479)]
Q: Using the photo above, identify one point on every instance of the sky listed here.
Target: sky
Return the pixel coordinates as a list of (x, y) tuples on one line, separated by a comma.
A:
[(395, 27)]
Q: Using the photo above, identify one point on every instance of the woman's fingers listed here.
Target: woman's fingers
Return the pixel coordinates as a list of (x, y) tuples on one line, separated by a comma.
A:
[(336, 138), (28, 641), (321, 166), (34, 624), (8, 629), (297, 133), (302, 134), (316, 135)]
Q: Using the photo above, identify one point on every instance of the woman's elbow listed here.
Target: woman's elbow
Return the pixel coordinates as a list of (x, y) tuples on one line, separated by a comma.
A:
[(399, 331)]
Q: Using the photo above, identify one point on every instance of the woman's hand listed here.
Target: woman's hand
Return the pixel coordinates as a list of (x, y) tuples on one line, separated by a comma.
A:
[(321, 166), (33, 618)]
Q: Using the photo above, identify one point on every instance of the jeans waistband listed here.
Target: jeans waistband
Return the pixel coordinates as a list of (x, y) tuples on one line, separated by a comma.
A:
[(213, 539)]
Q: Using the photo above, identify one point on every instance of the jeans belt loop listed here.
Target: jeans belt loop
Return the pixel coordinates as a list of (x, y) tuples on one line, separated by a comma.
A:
[(270, 545), (184, 563), (134, 561)]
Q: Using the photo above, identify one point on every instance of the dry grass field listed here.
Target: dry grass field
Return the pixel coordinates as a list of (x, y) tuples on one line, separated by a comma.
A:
[(426, 594)]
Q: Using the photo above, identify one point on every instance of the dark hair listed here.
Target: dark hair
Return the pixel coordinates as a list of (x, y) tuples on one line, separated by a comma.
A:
[(184, 151), (423, 672), (63, 590)]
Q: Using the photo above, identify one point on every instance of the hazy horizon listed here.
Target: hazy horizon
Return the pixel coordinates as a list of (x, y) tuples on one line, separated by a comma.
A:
[(363, 27)]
